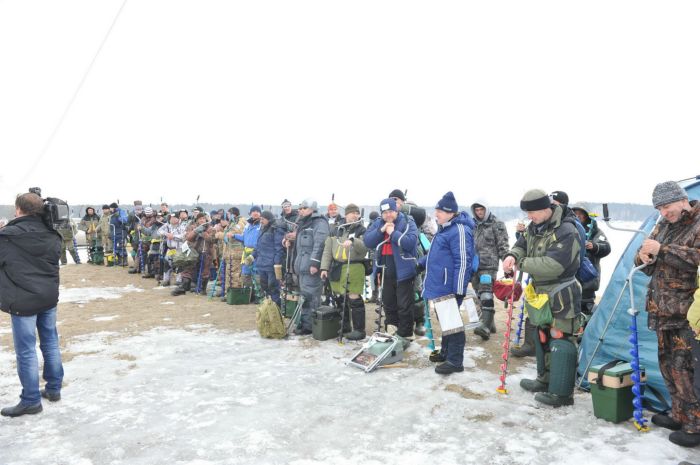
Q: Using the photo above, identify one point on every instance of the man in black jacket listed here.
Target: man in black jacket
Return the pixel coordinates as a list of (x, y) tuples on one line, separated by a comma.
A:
[(29, 254)]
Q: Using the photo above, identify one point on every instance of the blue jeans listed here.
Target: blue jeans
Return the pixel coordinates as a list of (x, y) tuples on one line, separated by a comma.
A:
[(24, 330)]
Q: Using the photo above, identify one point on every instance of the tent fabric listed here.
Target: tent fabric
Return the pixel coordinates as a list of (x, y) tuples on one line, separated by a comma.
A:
[(614, 306)]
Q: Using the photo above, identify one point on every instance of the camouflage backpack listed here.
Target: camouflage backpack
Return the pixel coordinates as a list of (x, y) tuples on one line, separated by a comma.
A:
[(269, 320)]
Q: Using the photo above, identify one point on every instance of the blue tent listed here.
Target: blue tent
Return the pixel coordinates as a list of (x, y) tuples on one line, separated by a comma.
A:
[(614, 343)]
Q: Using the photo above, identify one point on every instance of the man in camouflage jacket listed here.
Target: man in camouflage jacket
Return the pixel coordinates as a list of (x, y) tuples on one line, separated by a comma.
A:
[(672, 255)]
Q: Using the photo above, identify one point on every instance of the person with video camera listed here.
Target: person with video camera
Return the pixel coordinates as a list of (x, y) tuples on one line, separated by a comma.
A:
[(29, 278)]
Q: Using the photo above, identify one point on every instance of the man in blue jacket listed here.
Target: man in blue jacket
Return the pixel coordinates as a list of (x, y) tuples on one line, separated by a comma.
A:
[(448, 272), (396, 235), (29, 254), (268, 253)]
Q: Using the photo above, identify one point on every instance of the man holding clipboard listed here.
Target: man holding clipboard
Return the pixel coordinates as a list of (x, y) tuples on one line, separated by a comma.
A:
[(448, 272)]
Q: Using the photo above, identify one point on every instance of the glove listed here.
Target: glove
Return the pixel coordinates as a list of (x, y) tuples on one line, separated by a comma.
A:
[(249, 260)]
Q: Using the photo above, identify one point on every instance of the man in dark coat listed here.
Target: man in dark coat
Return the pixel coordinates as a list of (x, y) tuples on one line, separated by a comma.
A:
[(29, 255)]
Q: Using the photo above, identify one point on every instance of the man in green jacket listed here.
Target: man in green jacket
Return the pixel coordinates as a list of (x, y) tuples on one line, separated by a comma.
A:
[(549, 251)]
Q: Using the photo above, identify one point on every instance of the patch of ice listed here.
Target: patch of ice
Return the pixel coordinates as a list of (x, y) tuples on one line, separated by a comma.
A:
[(86, 294), (104, 318)]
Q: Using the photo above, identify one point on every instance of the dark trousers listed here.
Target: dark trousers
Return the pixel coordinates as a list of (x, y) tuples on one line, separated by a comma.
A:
[(452, 345), (269, 284), (397, 298)]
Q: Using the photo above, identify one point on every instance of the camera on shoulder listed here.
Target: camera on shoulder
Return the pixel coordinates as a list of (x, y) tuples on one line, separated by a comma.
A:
[(56, 213)]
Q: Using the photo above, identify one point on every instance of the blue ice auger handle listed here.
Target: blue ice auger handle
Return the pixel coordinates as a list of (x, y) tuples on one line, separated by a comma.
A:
[(75, 247), (428, 326), (223, 277), (637, 388), (198, 290)]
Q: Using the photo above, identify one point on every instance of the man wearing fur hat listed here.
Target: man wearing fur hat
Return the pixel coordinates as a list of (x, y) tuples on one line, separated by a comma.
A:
[(672, 255), (90, 224), (232, 253), (549, 251), (397, 236), (491, 242), (309, 240)]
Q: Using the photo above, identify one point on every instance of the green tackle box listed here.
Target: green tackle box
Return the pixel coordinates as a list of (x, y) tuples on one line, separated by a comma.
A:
[(291, 304), (612, 401), (239, 295), (325, 323)]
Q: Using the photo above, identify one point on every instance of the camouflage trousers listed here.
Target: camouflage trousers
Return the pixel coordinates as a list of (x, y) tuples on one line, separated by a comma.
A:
[(232, 257), (68, 245), (676, 366)]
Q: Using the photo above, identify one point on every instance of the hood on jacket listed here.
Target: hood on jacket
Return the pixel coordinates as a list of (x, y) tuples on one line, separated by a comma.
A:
[(487, 214)]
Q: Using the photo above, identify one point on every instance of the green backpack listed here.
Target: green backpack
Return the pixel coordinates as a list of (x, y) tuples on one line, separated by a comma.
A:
[(269, 320)]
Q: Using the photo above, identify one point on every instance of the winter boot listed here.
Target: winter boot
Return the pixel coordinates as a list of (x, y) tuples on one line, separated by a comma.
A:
[(533, 385), (665, 421), (375, 295), (484, 330), (554, 400), (203, 286), (684, 439), (357, 308), (184, 286), (527, 349)]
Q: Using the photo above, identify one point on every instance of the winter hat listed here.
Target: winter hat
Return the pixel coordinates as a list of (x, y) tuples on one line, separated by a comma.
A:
[(148, 211), (113, 205), (560, 196), (535, 199), (373, 216), (267, 214), (286, 203), (89, 208), (309, 203), (198, 209), (200, 215), (387, 204), (213, 212), (183, 210), (352, 208), (254, 208), (398, 194), (234, 211), (667, 192), (582, 209), (447, 203), (105, 207)]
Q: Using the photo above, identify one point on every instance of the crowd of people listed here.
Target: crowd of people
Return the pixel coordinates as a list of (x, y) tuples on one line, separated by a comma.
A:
[(410, 257)]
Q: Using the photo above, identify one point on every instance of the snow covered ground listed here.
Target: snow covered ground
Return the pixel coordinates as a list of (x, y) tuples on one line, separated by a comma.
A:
[(200, 396)]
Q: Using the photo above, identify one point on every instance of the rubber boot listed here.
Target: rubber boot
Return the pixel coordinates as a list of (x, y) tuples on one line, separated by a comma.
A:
[(484, 330), (562, 374), (527, 349), (184, 286), (357, 309)]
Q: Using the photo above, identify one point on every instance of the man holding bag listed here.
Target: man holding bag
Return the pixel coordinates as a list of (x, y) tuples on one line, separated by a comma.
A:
[(549, 251)]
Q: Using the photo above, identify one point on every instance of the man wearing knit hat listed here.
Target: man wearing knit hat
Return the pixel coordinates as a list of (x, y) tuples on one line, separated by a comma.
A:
[(398, 237), (268, 253), (549, 251), (672, 258)]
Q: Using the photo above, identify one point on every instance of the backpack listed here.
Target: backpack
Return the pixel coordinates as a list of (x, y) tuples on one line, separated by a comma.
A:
[(586, 270), (269, 321)]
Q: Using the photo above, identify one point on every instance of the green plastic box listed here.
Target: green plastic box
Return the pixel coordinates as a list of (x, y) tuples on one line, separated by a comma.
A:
[(325, 323), (291, 304), (239, 295), (613, 401)]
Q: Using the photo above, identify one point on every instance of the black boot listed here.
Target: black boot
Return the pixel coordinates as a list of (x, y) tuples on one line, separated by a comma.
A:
[(203, 286), (375, 295), (182, 288), (528, 347), (357, 308), (484, 330)]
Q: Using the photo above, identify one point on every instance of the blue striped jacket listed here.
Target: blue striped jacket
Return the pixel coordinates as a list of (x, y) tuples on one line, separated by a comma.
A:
[(448, 264)]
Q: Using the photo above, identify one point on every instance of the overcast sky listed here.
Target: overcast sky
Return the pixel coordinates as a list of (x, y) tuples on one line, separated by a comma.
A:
[(255, 101)]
